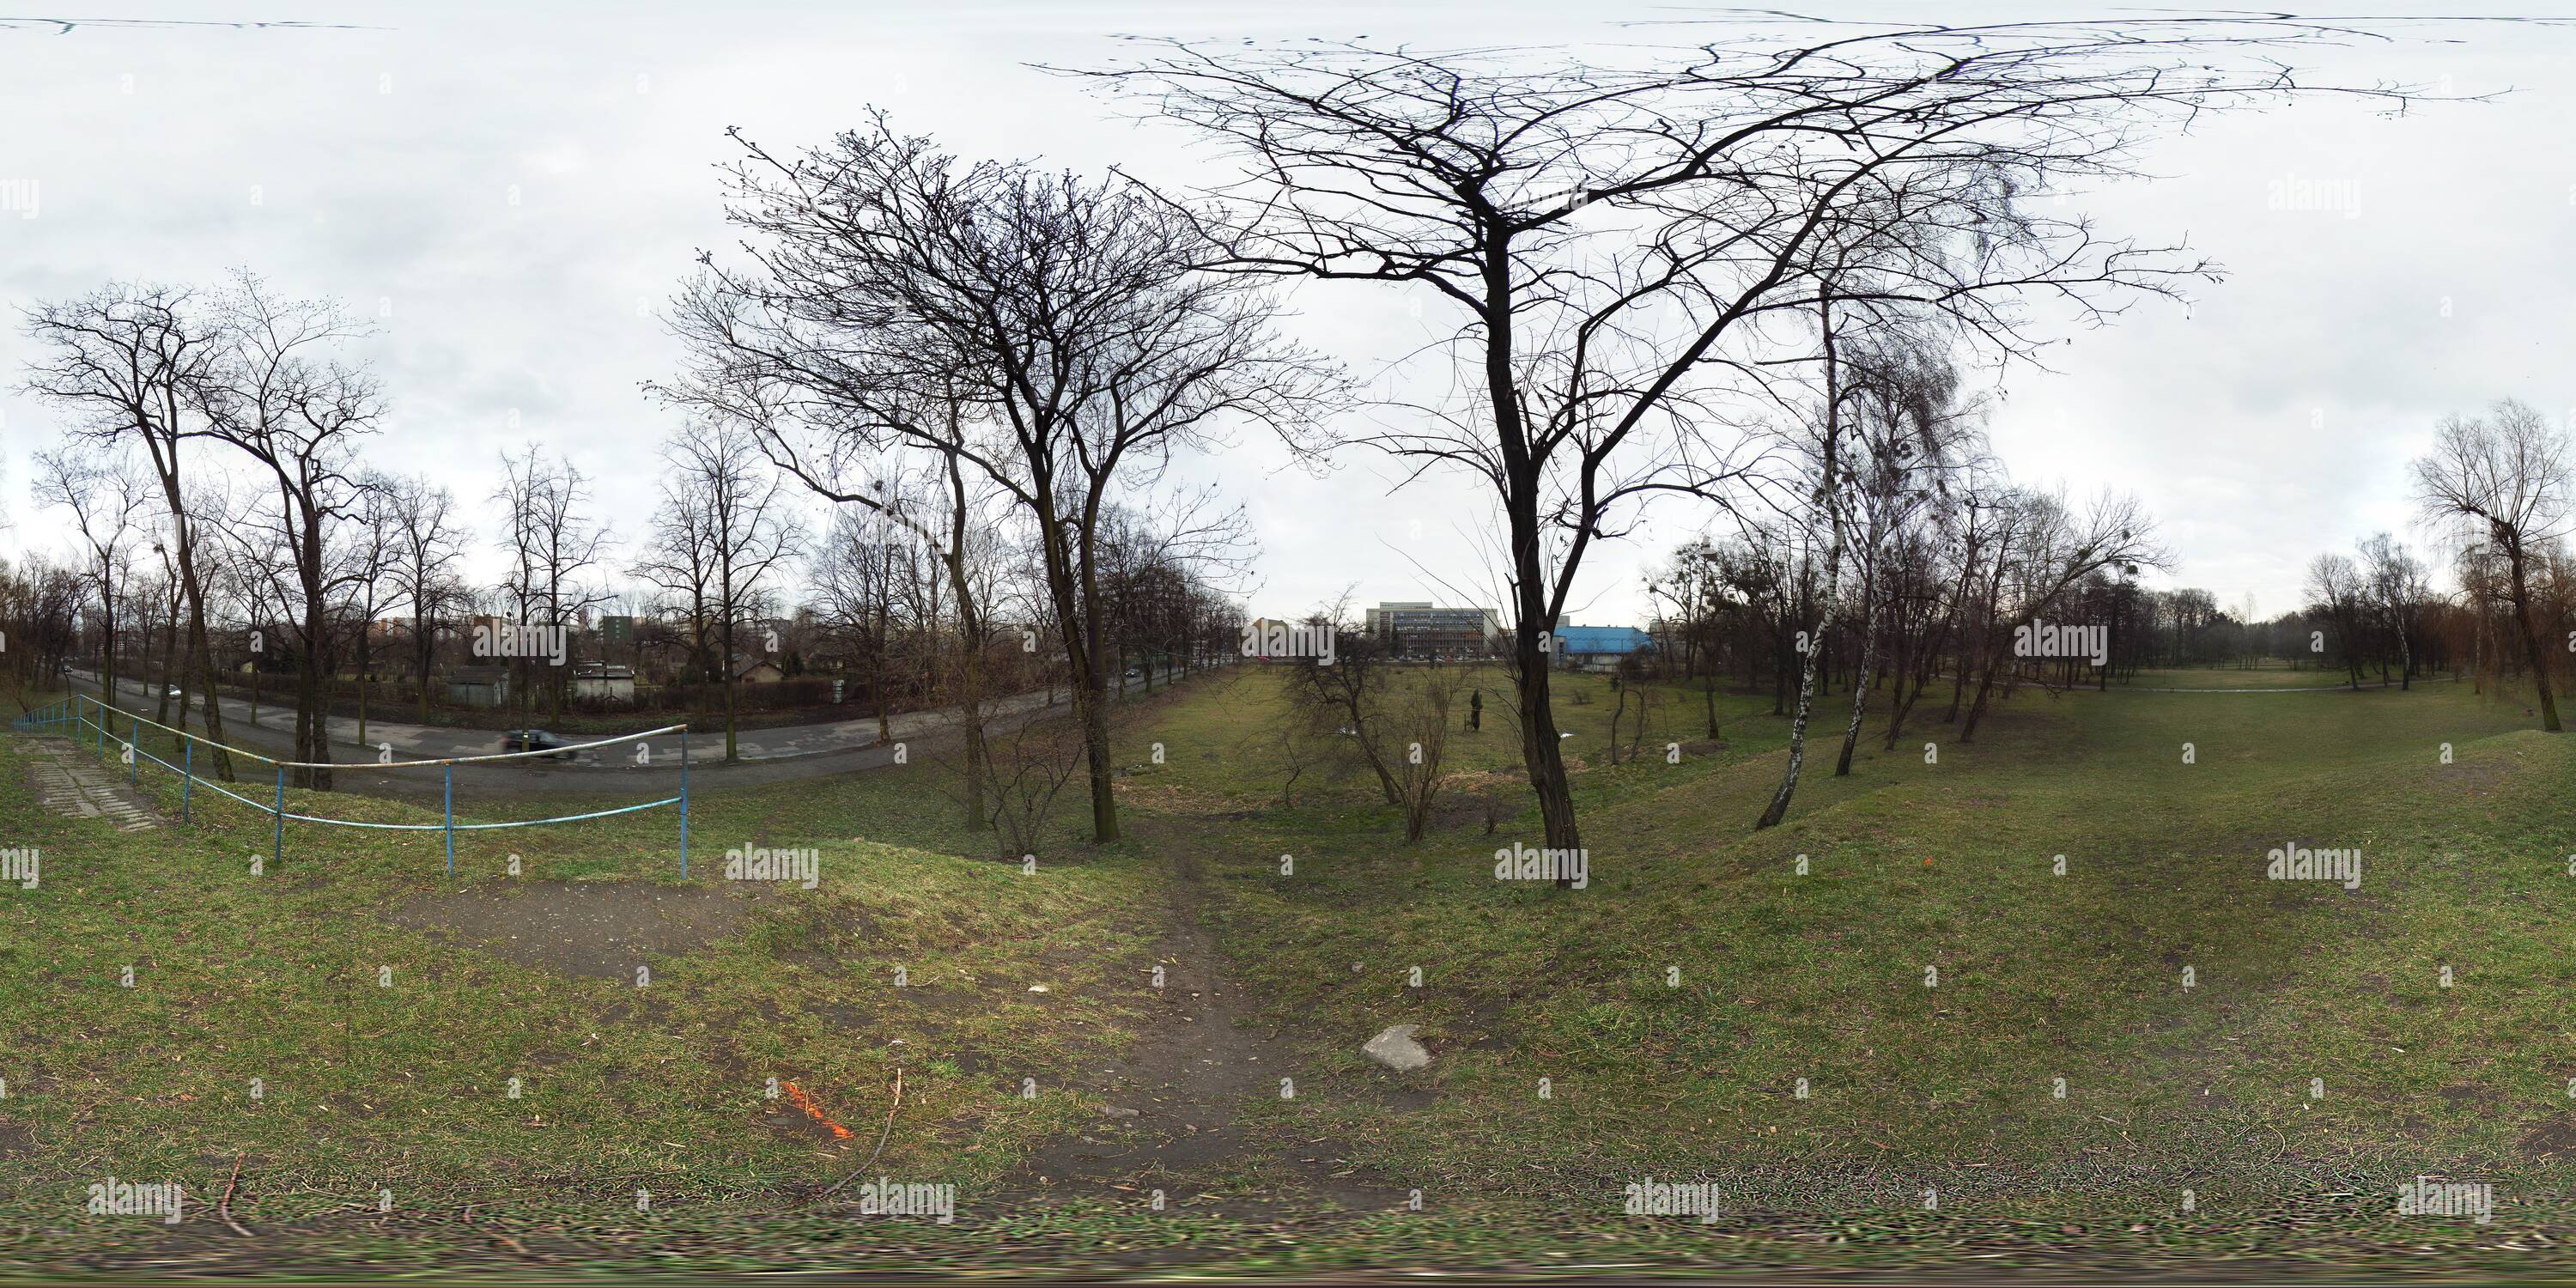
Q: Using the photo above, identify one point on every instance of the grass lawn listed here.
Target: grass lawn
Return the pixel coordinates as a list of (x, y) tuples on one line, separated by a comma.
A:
[(1671, 1010)]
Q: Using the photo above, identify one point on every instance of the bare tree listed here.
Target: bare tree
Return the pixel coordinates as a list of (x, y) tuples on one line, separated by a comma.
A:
[(130, 360), (2503, 480), (552, 542), (1911, 444), (1030, 766), (1622, 244), (2393, 578), (278, 394), (370, 559), (678, 559), (427, 547), (2047, 551), (859, 582), (110, 501), (1395, 720), (38, 603), (1053, 335), (717, 471), (167, 678), (2336, 591)]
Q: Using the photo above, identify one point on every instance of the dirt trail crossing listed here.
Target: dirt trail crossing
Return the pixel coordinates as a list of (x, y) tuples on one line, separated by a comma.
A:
[(1174, 1114)]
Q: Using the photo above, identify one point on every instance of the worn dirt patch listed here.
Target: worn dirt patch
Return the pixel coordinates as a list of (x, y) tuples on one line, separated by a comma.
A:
[(2552, 1139), (1180, 1099), (601, 929)]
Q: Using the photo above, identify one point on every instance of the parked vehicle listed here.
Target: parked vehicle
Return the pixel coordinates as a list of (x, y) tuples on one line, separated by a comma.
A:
[(536, 740)]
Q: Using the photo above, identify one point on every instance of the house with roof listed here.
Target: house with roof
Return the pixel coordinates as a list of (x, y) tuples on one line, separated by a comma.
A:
[(748, 669)]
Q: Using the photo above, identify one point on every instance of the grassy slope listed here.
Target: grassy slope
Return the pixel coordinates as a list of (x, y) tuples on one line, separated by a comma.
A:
[(275, 977), (1949, 865), (1782, 977)]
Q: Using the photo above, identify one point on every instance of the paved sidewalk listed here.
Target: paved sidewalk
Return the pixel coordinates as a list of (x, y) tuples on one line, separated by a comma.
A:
[(73, 784)]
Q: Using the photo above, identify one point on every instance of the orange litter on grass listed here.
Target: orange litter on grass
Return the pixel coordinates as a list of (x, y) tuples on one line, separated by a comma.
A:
[(815, 1112)]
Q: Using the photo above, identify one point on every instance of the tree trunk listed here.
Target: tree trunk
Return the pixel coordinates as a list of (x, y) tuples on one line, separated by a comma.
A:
[(204, 652), (732, 749), (970, 632), (1779, 806), (107, 641), (313, 702), (362, 684), (424, 640), (2531, 644), (1861, 678), (1977, 710), (169, 658)]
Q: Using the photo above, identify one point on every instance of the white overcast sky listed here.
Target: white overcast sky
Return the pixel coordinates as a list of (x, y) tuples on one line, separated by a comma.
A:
[(515, 189)]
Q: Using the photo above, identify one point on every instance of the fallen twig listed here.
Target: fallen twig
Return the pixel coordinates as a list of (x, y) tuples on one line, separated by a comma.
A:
[(224, 1205), (862, 1169)]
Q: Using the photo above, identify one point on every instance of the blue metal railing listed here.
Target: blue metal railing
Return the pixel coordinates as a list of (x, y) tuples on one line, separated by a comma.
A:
[(72, 714)]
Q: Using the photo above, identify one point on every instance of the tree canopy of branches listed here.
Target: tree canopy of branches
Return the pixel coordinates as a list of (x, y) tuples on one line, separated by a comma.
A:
[(1053, 335), (1626, 248), (280, 395), (2503, 482), (131, 362), (727, 530)]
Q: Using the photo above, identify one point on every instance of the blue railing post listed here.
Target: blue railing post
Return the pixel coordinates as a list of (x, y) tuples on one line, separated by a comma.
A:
[(684, 802), (449, 768), (187, 774), (281, 818)]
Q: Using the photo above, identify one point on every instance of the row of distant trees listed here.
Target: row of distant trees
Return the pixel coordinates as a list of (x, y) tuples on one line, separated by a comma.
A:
[(287, 543), (1927, 571), (2374, 616)]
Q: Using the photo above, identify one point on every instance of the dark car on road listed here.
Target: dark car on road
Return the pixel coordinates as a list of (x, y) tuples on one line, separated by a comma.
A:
[(536, 740)]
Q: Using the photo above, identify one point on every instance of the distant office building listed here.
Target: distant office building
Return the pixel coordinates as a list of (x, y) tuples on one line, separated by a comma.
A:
[(617, 631), (1426, 630)]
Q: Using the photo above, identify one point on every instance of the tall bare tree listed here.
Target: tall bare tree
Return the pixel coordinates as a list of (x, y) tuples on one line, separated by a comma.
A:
[(2336, 592), (279, 393), (551, 541), (427, 548), (717, 472), (1624, 245), (2394, 580), (860, 571), (1053, 335), (2504, 480), (110, 501), (370, 558), (130, 361)]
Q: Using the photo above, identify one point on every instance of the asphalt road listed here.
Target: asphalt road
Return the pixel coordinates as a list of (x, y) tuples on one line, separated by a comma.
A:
[(609, 774)]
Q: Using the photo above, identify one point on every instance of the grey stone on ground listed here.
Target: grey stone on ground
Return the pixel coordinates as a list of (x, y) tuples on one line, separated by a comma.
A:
[(1395, 1048)]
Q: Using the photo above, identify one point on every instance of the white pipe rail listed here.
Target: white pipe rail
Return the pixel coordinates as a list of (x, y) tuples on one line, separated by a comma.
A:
[(389, 764)]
